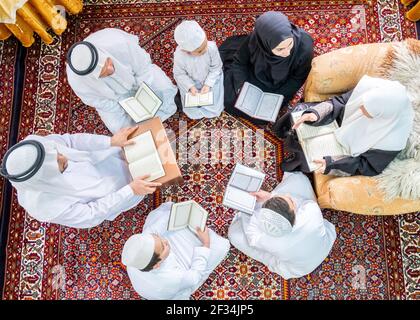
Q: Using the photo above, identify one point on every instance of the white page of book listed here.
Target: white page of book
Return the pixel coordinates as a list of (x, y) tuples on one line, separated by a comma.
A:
[(199, 99), (148, 100), (269, 107), (253, 184), (144, 145), (150, 164), (240, 200), (198, 217), (134, 109), (306, 131), (250, 100), (180, 215), (245, 182), (319, 147), (206, 98), (240, 181)]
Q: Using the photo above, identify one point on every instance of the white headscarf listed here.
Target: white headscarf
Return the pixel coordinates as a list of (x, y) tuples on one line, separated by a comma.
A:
[(114, 44), (138, 251), (274, 224), (49, 192), (392, 117), (189, 35)]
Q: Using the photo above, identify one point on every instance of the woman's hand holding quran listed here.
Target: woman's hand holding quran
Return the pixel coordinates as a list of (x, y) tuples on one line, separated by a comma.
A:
[(311, 117), (141, 187), (322, 165), (120, 139)]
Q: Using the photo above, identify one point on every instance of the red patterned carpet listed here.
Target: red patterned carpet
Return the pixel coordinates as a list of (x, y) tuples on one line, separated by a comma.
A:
[(51, 262)]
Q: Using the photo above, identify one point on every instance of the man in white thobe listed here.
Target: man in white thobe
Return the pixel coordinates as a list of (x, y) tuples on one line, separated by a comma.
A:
[(76, 180), (287, 233), (109, 66), (171, 265), (198, 69)]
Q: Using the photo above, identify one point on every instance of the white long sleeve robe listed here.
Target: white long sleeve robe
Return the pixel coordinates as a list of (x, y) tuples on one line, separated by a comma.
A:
[(104, 93), (90, 211), (295, 254), (198, 71), (185, 269)]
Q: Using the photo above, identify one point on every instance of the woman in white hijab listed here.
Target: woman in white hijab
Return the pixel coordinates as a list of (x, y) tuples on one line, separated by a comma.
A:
[(109, 66), (76, 180), (375, 121)]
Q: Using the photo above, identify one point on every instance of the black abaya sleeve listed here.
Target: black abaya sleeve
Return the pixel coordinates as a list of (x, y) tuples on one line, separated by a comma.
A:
[(335, 113), (369, 163), (241, 66)]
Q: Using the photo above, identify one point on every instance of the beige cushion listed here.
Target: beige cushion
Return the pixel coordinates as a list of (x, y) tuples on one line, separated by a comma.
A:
[(340, 70)]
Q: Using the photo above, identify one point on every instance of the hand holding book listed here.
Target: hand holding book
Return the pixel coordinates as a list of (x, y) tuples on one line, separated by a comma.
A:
[(142, 187), (262, 196), (310, 117), (204, 236), (322, 165), (120, 139)]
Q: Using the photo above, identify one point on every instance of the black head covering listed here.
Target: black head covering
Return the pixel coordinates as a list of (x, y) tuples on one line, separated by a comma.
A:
[(271, 28)]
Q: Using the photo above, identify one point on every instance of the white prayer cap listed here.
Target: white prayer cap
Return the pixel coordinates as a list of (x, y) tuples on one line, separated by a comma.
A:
[(273, 223), (138, 251), (84, 58), (189, 35)]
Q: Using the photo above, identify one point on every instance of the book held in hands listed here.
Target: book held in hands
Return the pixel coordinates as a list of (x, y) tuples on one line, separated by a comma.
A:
[(258, 104), (152, 154), (187, 214), (198, 100), (317, 141), (242, 182), (143, 157), (143, 106)]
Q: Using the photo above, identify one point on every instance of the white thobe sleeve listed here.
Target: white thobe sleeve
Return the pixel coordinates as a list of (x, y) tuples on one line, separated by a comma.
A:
[(93, 213), (157, 220), (140, 60), (252, 231), (216, 66), (183, 80), (82, 141), (194, 276)]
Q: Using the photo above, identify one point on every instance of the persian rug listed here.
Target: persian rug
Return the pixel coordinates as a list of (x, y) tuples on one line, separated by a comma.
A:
[(372, 258), (8, 53)]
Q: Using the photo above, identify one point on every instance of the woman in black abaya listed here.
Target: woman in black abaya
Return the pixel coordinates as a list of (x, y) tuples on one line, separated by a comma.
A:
[(276, 57)]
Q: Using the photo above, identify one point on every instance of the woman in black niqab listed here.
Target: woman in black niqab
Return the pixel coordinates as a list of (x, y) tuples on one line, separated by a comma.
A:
[(251, 58)]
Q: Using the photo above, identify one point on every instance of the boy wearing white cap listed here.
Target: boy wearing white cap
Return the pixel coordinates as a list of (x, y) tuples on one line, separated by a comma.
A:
[(198, 69), (287, 232), (171, 265), (109, 66)]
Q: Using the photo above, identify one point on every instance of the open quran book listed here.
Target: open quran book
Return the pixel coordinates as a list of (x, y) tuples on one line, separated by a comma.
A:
[(243, 181), (143, 157), (143, 105), (165, 154), (317, 142), (188, 214), (199, 100), (258, 104)]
